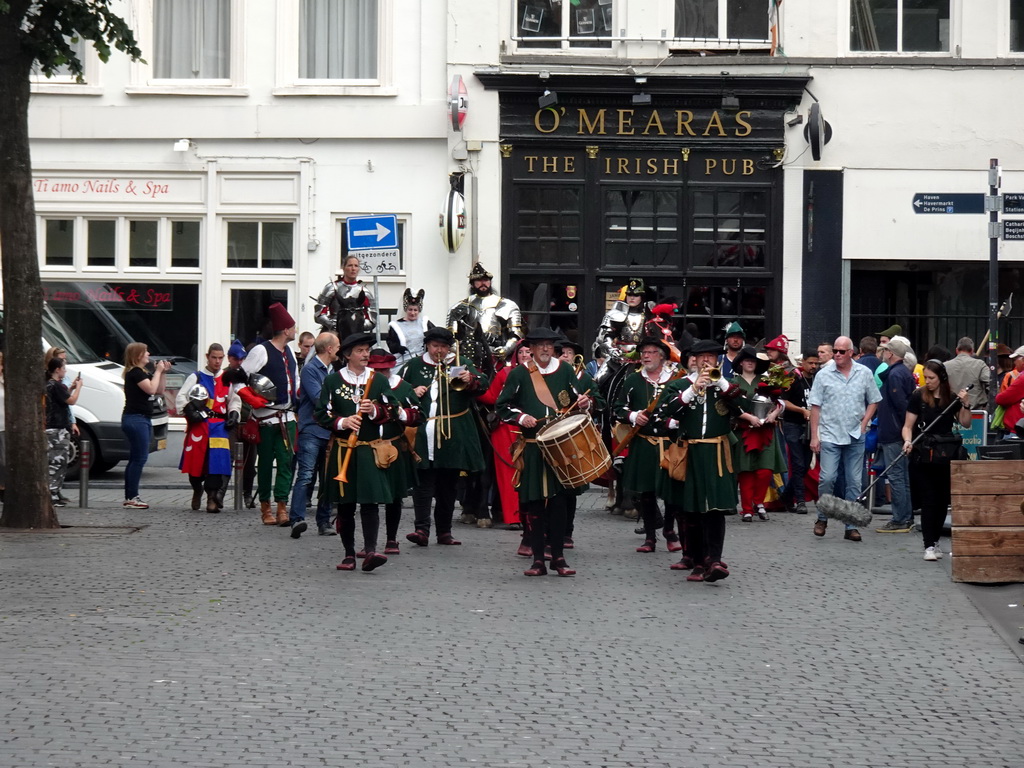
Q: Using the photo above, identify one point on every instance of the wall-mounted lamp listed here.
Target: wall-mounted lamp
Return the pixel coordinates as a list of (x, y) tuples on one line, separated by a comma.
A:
[(548, 99), (182, 145), (544, 74), (641, 98), (729, 101), (639, 80)]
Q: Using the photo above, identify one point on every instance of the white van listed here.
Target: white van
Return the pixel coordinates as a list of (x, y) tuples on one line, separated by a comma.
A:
[(99, 406)]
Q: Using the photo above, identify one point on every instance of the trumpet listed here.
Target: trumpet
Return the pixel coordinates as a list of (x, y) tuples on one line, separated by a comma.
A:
[(713, 373)]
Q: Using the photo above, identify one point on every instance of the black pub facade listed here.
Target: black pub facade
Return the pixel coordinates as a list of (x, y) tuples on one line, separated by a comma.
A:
[(675, 180)]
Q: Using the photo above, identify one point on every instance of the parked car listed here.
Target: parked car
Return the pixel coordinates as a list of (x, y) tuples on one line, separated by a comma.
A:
[(101, 401)]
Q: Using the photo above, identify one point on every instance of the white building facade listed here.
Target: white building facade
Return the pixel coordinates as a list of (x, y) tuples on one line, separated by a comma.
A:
[(668, 139), (185, 194), (605, 139)]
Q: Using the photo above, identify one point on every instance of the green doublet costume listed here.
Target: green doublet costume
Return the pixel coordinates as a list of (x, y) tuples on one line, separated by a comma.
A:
[(367, 483), (709, 483), (402, 473), (770, 457), (537, 481), (452, 426), (642, 468)]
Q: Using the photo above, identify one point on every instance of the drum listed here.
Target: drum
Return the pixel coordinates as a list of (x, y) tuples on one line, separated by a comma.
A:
[(574, 449)]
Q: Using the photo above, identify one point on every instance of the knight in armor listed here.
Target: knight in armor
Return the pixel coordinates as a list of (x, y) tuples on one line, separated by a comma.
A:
[(405, 335), (627, 322), (346, 306), (498, 319)]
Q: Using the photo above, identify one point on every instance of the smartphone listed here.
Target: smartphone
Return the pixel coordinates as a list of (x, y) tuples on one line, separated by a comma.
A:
[(79, 377)]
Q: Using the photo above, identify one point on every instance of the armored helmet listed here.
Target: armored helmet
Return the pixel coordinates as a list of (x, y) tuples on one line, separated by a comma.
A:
[(479, 273), (198, 394), (263, 387), (636, 287)]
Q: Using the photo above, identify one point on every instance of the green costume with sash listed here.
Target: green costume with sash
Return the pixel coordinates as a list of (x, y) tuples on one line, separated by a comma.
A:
[(642, 470), (705, 424), (448, 437), (367, 483), (402, 473), (537, 481), (769, 457)]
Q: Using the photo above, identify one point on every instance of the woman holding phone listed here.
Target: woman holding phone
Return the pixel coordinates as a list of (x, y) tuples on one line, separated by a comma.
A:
[(136, 421)]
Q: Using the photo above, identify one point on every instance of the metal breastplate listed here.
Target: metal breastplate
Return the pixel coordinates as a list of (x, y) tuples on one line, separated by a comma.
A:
[(486, 311), (632, 329), (348, 296)]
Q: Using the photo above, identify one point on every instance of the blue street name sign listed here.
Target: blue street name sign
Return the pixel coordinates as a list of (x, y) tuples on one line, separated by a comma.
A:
[(1013, 229), (372, 232), (949, 202), (1013, 203)]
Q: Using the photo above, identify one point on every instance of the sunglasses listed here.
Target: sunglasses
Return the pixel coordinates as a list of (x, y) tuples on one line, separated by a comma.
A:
[(841, 351)]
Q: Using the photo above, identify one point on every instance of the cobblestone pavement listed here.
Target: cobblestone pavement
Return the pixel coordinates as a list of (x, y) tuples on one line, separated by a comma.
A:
[(211, 640)]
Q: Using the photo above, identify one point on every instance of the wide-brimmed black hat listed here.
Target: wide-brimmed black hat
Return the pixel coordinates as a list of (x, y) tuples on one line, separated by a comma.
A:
[(705, 347), (542, 334), (749, 353), (355, 339), (654, 341), (439, 333), (564, 342)]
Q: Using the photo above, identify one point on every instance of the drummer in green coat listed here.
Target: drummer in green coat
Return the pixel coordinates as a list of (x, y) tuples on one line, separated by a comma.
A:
[(535, 392), (639, 396), (701, 406), (352, 406), (448, 442), (402, 473), (757, 455)]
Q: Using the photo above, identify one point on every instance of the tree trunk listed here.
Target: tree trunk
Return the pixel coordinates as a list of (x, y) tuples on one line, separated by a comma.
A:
[(27, 499)]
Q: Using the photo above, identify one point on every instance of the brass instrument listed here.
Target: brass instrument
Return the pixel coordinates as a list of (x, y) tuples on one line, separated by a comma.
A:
[(578, 365), (713, 373), (454, 381)]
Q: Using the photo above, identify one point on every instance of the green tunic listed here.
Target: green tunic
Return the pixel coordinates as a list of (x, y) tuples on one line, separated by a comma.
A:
[(367, 483), (448, 437), (771, 456), (642, 468), (704, 418), (537, 480), (402, 473)]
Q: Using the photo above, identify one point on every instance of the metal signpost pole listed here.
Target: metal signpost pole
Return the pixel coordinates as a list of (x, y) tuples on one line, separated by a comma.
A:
[(993, 280)]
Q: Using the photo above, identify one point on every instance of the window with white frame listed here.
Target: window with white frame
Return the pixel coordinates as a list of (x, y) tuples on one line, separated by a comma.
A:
[(557, 24), (901, 26), (1017, 26), (334, 48), (191, 39), (338, 39), (121, 243), (260, 244), (189, 46), (722, 19)]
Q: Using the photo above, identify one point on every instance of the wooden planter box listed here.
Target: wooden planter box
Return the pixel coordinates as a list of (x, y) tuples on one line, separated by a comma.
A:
[(988, 526)]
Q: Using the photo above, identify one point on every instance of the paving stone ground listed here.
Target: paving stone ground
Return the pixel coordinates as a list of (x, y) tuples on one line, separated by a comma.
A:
[(211, 640)]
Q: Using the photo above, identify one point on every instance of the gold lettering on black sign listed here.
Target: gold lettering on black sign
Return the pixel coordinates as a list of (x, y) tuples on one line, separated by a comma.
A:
[(626, 122), (638, 166)]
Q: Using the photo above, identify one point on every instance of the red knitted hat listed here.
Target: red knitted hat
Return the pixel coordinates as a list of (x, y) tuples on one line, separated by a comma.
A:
[(279, 317)]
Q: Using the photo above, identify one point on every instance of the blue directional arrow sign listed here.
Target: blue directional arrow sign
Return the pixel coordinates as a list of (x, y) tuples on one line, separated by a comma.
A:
[(372, 232), (949, 202)]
